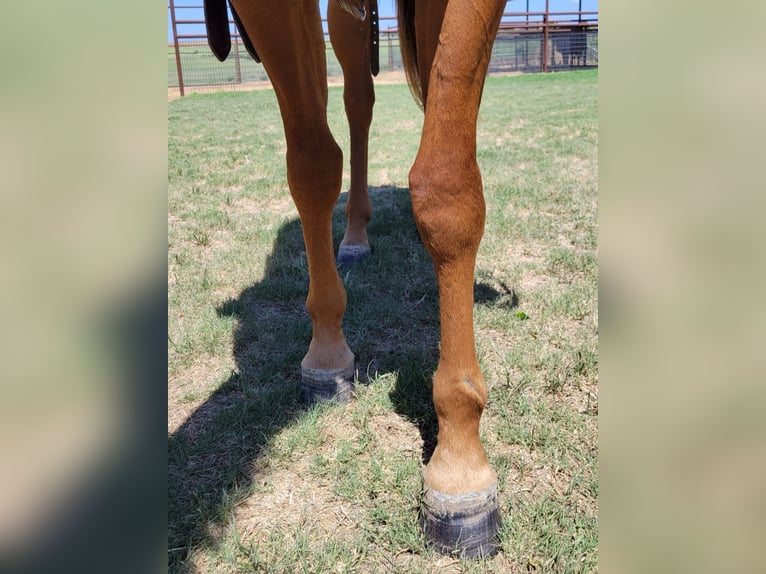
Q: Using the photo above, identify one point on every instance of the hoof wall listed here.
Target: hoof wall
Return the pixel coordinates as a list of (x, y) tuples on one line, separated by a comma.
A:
[(351, 254), (319, 385), (462, 524)]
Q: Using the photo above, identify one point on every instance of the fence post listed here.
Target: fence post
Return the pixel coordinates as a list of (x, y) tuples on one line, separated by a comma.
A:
[(236, 60), (545, 38), (175, 45)]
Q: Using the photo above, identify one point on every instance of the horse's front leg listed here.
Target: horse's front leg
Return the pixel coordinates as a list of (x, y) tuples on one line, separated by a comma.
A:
[(460, 505), (288, 37), (350, 39)]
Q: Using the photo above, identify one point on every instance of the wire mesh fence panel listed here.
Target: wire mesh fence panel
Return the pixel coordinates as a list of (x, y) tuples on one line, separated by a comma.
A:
[(200, 67), (201, 71), (573, 48), (390, 54), (517, 50), (519, 47)]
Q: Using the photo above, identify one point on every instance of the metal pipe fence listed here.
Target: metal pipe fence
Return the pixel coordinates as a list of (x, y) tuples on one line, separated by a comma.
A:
[(542, 42)]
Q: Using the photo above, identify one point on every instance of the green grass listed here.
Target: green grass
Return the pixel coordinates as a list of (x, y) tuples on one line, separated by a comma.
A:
[(257, 483)]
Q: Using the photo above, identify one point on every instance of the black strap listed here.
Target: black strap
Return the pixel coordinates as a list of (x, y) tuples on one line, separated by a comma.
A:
[(243, 34), (374, 38), (218, 34), (217, 25)]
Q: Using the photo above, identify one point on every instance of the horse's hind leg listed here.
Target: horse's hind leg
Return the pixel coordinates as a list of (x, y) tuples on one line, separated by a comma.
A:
[(288, 37), (350, 39), (460, 505)]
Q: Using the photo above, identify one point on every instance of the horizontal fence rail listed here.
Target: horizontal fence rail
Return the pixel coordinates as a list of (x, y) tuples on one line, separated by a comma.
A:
[(542, 42)]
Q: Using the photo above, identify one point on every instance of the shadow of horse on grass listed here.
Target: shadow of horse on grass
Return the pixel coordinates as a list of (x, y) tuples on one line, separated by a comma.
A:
[(391, 324)]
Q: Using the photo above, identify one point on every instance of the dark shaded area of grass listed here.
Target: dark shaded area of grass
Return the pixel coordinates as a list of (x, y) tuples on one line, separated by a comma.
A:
[(391, 324)]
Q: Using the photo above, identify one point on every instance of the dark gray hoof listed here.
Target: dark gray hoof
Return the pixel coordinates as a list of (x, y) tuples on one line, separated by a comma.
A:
[(319, 385), (462, 524), (349, 255)]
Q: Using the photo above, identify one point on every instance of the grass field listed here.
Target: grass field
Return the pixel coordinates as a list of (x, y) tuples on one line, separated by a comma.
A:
[(257, 482)]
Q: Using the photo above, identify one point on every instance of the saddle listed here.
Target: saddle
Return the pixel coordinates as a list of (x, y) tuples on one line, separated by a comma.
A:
[(219, 38)]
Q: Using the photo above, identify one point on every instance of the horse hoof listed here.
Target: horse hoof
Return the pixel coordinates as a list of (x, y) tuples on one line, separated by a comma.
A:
[(462, 524), (320, 385), (350, 254)]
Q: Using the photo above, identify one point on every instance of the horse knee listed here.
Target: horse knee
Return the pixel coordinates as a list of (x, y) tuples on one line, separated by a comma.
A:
[(314, 171), (448, 205), (359, 100)]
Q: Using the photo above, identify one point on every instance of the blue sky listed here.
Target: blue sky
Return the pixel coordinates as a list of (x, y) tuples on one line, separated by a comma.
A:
[(385, 7)]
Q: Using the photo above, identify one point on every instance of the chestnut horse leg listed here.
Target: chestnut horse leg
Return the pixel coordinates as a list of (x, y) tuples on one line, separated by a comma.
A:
[(460, 506), (288, 37), (350, 39)]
